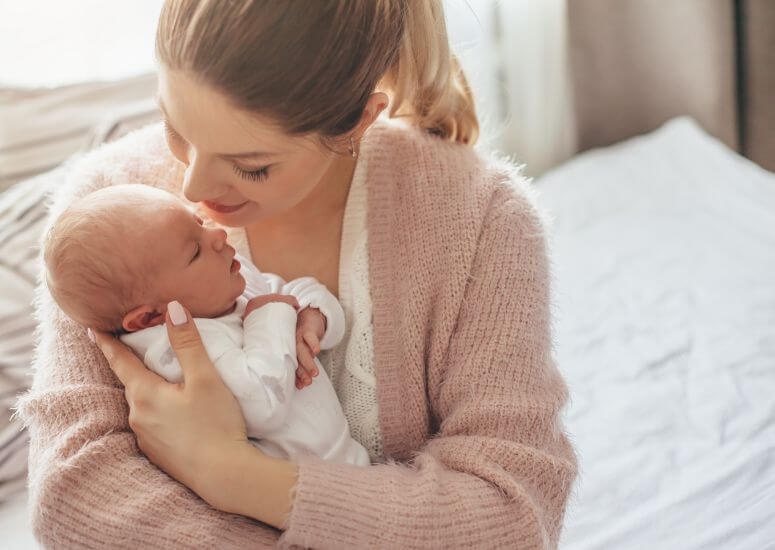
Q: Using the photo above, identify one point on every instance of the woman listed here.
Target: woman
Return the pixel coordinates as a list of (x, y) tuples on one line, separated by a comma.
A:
[(436, 253)]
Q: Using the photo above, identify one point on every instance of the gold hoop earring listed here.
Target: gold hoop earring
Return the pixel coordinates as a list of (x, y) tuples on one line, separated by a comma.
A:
[(352, 148)]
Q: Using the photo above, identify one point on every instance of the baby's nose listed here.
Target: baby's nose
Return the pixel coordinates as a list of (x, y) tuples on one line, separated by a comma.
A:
[(220, 240)]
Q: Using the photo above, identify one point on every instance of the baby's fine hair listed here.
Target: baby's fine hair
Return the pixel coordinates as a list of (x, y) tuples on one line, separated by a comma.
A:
[(91, 281)]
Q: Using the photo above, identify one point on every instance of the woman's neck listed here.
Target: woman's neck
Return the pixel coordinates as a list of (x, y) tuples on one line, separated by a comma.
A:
[(305, 241)]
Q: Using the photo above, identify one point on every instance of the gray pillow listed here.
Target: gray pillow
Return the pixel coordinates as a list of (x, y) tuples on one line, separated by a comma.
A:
[(41, 129)]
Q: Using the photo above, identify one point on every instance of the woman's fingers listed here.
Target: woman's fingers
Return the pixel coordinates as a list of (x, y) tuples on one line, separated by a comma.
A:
[(186, 343), (123, 362)]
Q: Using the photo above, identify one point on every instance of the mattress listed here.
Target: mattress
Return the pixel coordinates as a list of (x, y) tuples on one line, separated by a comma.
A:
[(663, 253)]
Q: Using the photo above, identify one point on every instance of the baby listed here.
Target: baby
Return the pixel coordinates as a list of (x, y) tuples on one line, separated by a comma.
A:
[(116, 257)]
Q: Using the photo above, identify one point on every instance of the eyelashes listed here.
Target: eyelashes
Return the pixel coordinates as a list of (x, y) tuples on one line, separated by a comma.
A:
[(250, 175), (170, 132), (196, 254)]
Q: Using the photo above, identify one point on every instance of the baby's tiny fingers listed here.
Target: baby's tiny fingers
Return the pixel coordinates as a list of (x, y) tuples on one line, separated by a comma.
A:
[(312, 341), (306, 359), (299, 380)]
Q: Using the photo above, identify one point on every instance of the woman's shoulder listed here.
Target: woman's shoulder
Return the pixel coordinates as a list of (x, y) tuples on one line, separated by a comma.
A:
[(430, 174), (140, 156)]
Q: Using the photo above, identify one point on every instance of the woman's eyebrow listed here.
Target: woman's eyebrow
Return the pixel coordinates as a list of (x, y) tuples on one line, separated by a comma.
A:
[(248, 155)]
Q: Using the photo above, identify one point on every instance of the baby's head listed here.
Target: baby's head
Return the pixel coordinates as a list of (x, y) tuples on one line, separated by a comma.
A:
[(115, 259)]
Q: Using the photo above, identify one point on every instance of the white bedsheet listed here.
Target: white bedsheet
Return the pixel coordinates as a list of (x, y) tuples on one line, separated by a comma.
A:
[(664, 258)]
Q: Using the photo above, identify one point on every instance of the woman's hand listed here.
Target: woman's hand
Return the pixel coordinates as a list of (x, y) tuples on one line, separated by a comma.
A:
[(310, 328), (190, 430)]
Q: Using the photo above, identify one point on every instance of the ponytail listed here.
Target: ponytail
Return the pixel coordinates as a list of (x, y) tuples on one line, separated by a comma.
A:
[(342, 51), (427, 82)]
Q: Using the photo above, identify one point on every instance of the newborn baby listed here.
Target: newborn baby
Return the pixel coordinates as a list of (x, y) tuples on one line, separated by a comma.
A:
[(118, 256)]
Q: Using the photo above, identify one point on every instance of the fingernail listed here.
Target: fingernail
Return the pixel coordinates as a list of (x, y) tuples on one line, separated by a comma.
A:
[(91, 336), (177, 314)]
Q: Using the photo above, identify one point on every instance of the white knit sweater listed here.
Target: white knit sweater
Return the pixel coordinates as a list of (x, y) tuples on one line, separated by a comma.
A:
[(350, 365)]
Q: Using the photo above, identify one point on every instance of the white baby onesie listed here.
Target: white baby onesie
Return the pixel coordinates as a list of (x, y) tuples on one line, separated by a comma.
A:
[(256, 359)]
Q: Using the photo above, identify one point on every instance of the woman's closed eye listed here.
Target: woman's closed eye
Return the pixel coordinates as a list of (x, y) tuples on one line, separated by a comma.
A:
[(171, 131), (252, 175)]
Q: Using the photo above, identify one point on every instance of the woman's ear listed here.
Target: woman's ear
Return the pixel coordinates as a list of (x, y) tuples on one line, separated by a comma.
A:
[(142, 317), (377, 102)]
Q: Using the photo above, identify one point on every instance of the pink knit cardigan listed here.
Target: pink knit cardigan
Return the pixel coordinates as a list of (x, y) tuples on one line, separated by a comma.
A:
[(469, 396)]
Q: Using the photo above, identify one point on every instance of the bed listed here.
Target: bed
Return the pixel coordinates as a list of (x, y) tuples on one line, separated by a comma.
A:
[(664, 255), (663, 247)]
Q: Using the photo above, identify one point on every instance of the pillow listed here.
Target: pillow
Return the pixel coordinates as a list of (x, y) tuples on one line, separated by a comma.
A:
[(45, 127), (41, 128)]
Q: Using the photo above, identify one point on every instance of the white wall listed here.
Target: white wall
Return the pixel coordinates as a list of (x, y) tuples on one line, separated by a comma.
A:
[(57, 42), (513, 52)]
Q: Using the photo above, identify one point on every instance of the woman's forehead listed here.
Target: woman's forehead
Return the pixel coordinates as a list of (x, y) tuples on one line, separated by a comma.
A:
[(208, 120)]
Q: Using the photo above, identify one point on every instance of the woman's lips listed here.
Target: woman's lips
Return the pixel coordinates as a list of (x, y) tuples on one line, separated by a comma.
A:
[(223, 208)]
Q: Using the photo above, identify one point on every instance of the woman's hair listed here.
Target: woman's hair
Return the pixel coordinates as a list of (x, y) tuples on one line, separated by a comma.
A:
[(312, 65)]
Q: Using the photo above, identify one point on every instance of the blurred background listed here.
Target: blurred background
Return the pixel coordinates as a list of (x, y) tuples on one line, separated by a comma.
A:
[(649, 129)]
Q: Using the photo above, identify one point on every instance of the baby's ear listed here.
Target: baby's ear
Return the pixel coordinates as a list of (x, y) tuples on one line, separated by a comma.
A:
[(142, 317)]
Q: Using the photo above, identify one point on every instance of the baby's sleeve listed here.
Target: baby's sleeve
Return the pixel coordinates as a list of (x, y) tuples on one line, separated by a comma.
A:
[(307, 290), (152, 345), (262, 373), (311, 293)]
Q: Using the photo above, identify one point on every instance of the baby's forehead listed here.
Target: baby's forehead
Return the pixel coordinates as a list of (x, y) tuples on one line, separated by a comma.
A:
[(176, 218), (155, 221)]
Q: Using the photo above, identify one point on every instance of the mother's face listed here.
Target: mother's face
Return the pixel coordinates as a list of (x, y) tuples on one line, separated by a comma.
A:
[(240, 167)]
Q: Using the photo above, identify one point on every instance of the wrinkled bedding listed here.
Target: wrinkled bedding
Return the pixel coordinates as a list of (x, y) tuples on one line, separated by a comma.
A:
[(664, 263)]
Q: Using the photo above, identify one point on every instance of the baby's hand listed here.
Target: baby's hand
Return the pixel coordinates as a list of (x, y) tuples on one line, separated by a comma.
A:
[(310, 328), (264, 299)]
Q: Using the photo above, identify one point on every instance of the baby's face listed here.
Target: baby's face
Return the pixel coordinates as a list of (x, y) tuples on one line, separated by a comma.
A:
[(188, 262)]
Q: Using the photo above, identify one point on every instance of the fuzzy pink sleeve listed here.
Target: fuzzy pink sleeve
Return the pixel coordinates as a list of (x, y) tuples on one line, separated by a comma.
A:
[(89, 485), (499, 472)]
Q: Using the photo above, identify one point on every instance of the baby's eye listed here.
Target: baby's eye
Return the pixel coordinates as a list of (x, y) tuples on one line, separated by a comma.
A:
[(196, 253)]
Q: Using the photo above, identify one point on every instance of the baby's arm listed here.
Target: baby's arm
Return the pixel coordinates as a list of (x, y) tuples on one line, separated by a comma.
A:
[(310, 293), (261, 375), (320, 324)]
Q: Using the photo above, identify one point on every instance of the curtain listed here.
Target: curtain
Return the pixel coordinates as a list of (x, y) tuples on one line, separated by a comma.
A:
[(515, 54)]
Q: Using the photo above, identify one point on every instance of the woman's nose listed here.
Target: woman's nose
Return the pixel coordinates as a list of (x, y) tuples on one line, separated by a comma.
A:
[(197, 186)]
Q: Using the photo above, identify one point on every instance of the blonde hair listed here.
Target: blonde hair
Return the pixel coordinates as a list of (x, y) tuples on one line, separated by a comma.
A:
[(312, 66)]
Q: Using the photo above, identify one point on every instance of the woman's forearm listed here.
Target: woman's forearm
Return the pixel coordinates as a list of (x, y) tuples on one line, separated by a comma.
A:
[(252, 484)]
